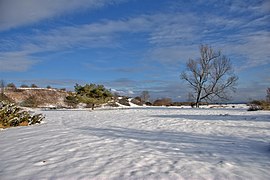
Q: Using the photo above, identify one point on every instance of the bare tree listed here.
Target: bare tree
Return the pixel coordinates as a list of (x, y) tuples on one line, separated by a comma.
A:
[(268, 95), (2, 88), (11, 86), (145, 96), (211, 76)]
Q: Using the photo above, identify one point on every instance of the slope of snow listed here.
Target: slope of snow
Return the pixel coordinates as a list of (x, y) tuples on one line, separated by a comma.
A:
[(150, 143)]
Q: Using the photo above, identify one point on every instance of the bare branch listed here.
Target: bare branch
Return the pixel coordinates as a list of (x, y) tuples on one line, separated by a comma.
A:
[(210, 76)]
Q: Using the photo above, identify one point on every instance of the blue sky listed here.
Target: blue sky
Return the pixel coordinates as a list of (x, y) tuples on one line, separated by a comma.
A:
[(132, 45)]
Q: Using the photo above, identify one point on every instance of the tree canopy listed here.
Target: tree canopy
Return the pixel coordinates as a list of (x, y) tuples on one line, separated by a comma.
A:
[(92, 94)]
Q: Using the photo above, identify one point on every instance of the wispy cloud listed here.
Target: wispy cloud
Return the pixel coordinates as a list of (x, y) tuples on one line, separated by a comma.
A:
[(250, 6), (117, 69), (16, 61), (101, 34), (255, 50), (172, 29), (156, 88), (172, 37), (15, 13), (243, 38), (104, 34)]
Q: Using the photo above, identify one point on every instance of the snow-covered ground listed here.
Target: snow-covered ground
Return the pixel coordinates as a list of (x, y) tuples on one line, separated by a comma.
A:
[(149, 143)]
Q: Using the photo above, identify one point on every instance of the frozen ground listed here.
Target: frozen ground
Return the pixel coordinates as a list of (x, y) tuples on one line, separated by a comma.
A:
[(155, 143)]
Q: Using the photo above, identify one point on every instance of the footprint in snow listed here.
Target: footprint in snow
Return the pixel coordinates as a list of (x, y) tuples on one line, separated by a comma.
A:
[(41, 163), (224, 114), (222, 163)]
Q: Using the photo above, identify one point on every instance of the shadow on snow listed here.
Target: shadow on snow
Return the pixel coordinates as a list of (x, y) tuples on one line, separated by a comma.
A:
[(184, 145), (221, 117)]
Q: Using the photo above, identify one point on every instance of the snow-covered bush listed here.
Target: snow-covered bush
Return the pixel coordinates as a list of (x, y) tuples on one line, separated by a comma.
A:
[(11, 115), (137, 101), (258, 105), (124, 101), (112, 104), (148, 104), (163, 102), (254, 107)]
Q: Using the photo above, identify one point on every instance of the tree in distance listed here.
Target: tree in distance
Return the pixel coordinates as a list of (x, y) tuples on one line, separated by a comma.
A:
[(11, 85), (211, 77), (24, 86), (34, 86), (2, 88), (145, 96), (92, 94), (268, 95)]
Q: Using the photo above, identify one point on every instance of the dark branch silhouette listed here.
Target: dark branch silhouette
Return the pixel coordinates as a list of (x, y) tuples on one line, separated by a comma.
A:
[(211, 76)]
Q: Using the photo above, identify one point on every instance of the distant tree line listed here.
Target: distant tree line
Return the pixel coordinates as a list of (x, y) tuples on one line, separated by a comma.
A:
[(12, 86)]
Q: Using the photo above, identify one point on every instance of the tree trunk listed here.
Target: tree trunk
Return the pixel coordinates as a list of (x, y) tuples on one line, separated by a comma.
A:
[(93, 106), (198, 99)]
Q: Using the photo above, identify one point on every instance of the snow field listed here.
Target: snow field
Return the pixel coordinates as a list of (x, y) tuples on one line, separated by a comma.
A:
[(149, 143)]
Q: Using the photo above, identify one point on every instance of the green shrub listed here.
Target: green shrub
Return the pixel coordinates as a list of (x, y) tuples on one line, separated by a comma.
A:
[(71, 101), (31, 101), (11, 116), (93, 95)]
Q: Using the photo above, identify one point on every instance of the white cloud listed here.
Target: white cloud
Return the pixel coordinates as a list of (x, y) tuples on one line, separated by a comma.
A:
[(95, 35), (15, 62), (14, 13), (250, 48), (130, 92), (257, 7), (105, 33), (123, 92), (256, 49), (245, 39), (102, 34), (173, 55)]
